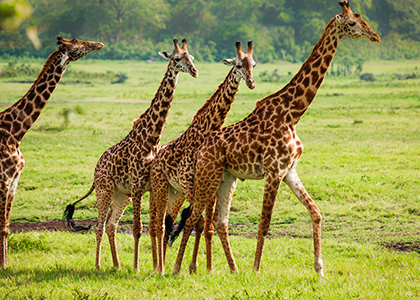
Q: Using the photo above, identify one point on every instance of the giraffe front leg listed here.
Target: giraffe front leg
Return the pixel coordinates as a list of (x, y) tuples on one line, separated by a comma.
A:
[(4, 229), (295, 184), (120, 202), (137, 228), (138, 188), (152, 231), (7, 194), (271, 187)]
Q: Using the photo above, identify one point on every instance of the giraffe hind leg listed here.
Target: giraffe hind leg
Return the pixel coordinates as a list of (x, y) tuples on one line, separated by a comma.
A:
[(295, 184), (120, 202), (103, 200)]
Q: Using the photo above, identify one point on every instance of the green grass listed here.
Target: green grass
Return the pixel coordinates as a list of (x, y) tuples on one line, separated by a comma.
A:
[(55, 265), (360, 165)]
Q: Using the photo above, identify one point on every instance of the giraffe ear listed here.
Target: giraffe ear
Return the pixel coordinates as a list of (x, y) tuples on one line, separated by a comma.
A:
[(165, 55), (228, 62)]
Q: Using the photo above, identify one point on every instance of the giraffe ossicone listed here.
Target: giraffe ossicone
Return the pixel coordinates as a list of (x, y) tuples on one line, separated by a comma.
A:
[(265, 145)]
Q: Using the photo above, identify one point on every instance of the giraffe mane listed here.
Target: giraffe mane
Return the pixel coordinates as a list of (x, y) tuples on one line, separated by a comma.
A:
[(305, 64), (210, 100), (50, 59), (43, 71)]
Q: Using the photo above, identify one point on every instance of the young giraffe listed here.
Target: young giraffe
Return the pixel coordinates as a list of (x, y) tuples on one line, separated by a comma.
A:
[(265, 146), (123, 171), (172, 170), (19, 118)]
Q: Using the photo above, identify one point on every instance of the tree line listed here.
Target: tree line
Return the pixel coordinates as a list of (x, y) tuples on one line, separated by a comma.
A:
[(280, 29)]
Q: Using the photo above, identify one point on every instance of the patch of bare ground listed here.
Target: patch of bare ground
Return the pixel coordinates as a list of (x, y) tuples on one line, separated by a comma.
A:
[(24, 225), (403, 247)]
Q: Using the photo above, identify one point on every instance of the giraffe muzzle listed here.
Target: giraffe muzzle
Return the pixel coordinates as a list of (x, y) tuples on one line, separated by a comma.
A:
[(250, 84)]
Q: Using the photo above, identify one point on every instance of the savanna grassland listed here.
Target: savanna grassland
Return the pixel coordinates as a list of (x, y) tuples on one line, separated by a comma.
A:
[(360, 165)]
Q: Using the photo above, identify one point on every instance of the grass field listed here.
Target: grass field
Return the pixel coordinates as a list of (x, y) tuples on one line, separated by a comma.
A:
[(360, 164)]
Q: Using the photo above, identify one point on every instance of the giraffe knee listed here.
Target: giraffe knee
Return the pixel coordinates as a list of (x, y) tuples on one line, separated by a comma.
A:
[(199, 227), (137, 230), (209, 234), (4, 232), (220, 225), (317, 217), (111, 228)]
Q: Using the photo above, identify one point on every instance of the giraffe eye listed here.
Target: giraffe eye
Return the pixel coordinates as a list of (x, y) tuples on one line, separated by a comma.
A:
[(177, 59), (239, 66), (352, 23)]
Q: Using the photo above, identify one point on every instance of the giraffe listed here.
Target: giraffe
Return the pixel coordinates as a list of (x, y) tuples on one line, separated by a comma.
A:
[(122, 173), (172, 169), (16, 120), (265, 145)]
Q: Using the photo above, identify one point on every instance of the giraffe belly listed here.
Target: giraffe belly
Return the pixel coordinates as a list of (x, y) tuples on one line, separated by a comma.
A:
[(245, 175), (176, 185), (124, 189)]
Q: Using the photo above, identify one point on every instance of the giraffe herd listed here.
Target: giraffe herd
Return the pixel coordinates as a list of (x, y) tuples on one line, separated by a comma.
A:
[(202, 165)]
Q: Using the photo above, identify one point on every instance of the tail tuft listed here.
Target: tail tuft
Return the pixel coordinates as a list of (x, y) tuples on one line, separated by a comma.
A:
[(68, 217), (169, 227), (185, 214)]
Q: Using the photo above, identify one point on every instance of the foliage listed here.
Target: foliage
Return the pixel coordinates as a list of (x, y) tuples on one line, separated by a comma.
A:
[(281, 30)]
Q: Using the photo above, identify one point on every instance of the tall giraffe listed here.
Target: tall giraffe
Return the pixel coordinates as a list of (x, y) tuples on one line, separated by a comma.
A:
[(122, 173), (16, 120), (172, 170), (265, 145)]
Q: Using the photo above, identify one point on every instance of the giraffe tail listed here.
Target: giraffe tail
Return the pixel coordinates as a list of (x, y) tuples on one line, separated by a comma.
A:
[(169, 227), (68, 213), (185, 214)]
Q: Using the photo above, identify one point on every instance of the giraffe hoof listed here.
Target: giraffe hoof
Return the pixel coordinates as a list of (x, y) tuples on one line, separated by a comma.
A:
[(193, 268), (175, 271)]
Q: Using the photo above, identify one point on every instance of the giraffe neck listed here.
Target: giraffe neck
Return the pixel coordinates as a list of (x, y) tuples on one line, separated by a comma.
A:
[(19, 118), (299, 93), (212, 114), (149, 126)]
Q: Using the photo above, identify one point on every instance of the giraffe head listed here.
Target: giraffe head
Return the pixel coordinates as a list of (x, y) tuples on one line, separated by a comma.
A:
[(353, 26), (180, 60), (243, 63), (75, 49)]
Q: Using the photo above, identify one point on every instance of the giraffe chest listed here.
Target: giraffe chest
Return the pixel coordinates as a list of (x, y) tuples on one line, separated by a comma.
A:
[(12, 163)]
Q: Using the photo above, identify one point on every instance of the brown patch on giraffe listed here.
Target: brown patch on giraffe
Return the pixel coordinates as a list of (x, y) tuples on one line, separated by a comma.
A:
[(299, 91), (310, 95)]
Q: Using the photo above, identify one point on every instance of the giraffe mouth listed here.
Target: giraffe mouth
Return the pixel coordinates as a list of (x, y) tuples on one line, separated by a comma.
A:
[(375, 37)]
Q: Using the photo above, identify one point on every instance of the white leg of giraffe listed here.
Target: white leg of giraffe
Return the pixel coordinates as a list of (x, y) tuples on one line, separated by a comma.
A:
[(120, 202), (221, 216), (294, 183)]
